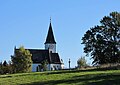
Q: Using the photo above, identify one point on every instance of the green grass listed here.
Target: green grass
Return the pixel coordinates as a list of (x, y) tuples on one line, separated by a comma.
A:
[(87, 77)]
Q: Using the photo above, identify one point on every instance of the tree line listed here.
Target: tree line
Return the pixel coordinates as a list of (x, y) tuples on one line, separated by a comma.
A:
[(21, 62), (5, 67)]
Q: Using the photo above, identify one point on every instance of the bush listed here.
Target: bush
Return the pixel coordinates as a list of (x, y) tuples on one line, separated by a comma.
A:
[(82, 62)]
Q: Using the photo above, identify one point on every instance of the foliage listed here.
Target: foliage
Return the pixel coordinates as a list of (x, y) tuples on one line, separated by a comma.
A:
[(82, 62), (103, 42), (6, 68), (87, 77), (10, 67), (1, 68), (44, 65), (21, 60), (5, 63)]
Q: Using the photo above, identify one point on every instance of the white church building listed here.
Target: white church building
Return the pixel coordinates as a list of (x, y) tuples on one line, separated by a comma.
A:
[(49, 54)]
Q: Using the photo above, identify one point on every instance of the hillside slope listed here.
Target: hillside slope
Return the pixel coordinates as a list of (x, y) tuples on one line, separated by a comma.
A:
[(87, 77)]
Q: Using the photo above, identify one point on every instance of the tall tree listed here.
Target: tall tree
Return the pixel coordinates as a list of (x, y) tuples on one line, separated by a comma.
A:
[(103, 42), (22, 60)]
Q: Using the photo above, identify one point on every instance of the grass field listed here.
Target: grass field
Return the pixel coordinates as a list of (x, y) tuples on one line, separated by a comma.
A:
[(87, 77)]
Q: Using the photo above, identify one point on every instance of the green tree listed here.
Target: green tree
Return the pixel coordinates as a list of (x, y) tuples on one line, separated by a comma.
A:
[(5, 67), (1, 68), (103, 42), (10, 67), (21, 60), (44, 65), (5, 63), (82, 62)]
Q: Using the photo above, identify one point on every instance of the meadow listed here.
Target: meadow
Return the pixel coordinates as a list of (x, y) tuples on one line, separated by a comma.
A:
[(73, 77)]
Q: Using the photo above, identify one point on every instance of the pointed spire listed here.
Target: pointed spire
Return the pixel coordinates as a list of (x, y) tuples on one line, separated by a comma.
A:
[(50, 36)]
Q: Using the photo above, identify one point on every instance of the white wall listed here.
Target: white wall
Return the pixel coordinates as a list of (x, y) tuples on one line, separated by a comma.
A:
[(34, 66), (51, 47), (62, 66), (49, 66), (55, 66)]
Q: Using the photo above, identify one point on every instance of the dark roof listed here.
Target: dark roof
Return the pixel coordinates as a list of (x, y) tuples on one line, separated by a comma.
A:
[(54, 58), (39, 55), (50, 36)]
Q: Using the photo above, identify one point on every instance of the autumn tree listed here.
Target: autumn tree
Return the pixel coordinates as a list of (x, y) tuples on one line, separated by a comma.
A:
[(103, 42), (21, 60)]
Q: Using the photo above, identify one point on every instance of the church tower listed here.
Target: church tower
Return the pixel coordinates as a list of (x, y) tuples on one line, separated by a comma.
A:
[(50, 40)]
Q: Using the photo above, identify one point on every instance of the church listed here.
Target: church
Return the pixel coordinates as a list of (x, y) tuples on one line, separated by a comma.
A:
[(48, 54)]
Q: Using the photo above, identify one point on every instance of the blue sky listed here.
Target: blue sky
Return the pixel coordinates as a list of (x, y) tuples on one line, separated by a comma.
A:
[(26, 22)]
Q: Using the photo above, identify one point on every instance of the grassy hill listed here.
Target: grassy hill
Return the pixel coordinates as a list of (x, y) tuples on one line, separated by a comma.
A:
[(86, 77)]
